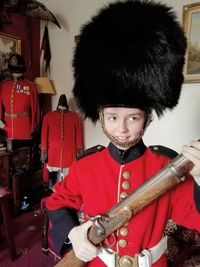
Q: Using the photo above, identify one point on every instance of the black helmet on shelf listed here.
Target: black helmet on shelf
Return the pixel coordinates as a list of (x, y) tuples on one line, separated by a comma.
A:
[(16, 64)]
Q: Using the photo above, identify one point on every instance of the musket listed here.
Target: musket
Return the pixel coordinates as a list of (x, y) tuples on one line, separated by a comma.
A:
[(104, 225)]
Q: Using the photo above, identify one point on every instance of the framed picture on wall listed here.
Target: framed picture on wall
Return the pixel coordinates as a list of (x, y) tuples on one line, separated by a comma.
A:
[(8, 45), (191, 26)]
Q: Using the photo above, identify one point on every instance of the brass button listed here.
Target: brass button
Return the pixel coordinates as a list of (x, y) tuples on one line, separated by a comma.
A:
[(123, 231), (122, 243), (126, 175), (126, 185), (123, 195)]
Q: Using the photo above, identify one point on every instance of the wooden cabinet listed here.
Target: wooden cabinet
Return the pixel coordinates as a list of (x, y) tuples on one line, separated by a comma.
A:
[(4, 169), (22, 159), (26, 178), (27, 183), (18, 173)]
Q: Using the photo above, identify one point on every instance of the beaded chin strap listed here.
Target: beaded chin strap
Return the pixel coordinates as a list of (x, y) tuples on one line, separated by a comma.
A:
[(149, 119)]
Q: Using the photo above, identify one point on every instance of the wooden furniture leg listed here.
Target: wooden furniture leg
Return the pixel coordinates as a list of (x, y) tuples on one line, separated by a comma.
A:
[(4, 199)]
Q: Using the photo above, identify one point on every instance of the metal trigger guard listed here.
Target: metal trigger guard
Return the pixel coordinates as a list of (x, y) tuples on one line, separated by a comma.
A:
[(97, 219)]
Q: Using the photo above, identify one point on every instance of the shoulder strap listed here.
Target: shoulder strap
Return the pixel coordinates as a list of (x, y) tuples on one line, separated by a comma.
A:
[(164, 151), (91, 150)]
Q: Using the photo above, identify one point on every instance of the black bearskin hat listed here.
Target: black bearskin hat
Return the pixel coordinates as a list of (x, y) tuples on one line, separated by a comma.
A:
[(16, 64), (130, 54)]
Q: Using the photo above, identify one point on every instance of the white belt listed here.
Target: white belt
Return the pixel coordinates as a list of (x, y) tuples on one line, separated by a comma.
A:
[(145, 259)]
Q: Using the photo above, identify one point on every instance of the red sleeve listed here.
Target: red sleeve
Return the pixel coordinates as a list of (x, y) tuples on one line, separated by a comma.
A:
[(1, 104), (67, 192), (79, 134), (35, 110), (183, 208), (44, 132), (45, 173)]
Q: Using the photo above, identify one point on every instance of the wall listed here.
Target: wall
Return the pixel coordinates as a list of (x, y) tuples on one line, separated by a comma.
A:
[(174, 129), (29, 33)]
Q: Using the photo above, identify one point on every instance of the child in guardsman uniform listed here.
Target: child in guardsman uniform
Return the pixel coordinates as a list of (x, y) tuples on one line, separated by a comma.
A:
[(127, 63), (61, 141)]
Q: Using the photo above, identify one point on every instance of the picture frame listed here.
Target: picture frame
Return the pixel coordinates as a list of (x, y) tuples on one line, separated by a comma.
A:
[(191, 26), (9, 44)]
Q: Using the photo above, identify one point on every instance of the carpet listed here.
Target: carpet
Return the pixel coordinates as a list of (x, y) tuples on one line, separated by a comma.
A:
[(27, 231)]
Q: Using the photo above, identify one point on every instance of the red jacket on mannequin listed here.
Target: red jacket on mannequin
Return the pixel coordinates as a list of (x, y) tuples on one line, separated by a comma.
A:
[(61, 138), (19, 105)]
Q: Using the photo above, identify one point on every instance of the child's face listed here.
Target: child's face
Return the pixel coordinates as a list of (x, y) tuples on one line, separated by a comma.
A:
[(124, 124)]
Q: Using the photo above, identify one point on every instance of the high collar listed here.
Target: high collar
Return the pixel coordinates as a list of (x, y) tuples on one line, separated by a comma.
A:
[(125, 156)]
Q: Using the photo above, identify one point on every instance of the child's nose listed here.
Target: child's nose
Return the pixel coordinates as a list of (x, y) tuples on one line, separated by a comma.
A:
[(122, 126)]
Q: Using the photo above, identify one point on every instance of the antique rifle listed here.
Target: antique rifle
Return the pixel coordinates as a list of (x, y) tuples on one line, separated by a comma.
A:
[(104, 225)]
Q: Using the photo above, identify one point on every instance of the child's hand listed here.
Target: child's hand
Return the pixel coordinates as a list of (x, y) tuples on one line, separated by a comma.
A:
[(193, 153), (83, 248)]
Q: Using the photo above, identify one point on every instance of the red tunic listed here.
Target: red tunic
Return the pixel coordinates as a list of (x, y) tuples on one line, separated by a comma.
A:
[(19, 108), (61, 137), (97, 181)]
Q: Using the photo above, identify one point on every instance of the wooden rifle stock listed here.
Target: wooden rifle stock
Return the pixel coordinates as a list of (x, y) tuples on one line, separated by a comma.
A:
[(104, 225)]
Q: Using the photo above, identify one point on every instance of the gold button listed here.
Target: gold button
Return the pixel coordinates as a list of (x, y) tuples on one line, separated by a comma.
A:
[(123, 195), (123, 231), (122, 243), (126, 175), (126, 185)]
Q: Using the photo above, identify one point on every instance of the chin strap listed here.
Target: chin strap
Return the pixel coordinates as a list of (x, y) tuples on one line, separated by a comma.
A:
[(149, 119), (17, 76)]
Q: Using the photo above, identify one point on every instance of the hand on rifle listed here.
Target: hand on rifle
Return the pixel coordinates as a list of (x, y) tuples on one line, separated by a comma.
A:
[(83, 248), (193, 153)]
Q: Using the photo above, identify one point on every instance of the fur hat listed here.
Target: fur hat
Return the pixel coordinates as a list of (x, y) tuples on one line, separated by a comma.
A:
[(130, 54)]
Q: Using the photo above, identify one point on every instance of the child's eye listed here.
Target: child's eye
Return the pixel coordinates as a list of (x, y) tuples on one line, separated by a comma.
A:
[(112, 118), (133, 118)]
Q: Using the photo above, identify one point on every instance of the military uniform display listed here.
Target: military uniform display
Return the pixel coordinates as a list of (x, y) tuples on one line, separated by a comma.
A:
[(19, 105), (19, 108), (61, 141), (61, 137)]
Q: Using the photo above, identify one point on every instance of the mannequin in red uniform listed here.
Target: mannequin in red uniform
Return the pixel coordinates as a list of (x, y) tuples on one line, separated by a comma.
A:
[(128, 62), (61, 141), (19, 106)]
